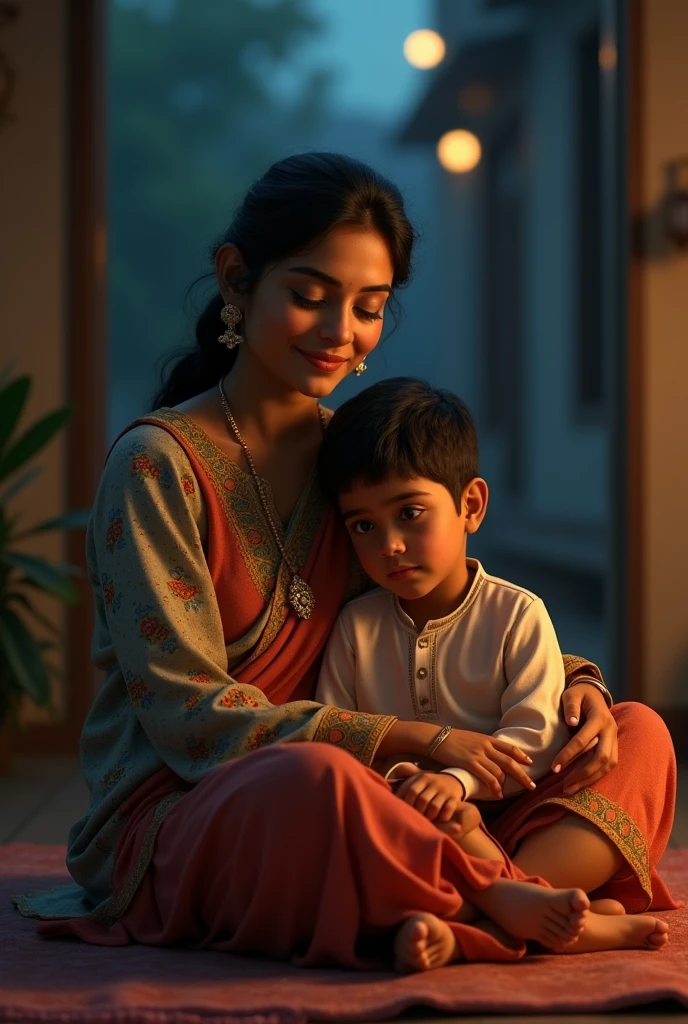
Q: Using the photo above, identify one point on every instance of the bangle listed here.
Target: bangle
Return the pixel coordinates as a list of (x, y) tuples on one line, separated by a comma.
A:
[(439, 738), (609, 700)]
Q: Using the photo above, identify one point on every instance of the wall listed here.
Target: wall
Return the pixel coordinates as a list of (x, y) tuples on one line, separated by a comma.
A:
[(664, 352), (32, 256)]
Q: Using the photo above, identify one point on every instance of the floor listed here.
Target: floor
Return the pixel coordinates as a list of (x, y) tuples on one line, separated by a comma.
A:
[(44, 795)]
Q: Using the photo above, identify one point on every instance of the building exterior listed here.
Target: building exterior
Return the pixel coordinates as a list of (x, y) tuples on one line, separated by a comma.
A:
[(524, 286)]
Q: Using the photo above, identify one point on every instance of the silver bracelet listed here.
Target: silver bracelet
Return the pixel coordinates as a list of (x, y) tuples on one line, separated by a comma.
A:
[(609, 700), (439, 738)]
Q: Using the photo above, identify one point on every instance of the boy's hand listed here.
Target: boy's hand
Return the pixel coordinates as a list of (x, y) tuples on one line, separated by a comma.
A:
[(437, 797)]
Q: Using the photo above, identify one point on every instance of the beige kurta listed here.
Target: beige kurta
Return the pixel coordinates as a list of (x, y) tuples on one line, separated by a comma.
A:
[(492, 666)]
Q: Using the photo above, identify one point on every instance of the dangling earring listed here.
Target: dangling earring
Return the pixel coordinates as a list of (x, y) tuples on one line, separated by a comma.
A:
[(361, 368), (230, 315)]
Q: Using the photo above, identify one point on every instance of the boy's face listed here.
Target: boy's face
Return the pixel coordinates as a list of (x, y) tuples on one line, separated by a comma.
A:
[(407, 533)]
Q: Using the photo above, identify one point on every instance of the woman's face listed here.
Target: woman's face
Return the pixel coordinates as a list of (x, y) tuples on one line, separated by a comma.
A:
[(313, 318)]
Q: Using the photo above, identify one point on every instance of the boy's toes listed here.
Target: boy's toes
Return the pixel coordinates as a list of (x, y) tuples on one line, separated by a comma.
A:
[(579, 901), (660, 935)]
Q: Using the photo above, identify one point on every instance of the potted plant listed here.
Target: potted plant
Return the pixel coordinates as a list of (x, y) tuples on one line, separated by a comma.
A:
[(24, 669)]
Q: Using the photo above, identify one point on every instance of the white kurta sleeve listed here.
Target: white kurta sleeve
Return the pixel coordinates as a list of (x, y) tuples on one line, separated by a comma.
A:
[(530, 705), (337, 679)]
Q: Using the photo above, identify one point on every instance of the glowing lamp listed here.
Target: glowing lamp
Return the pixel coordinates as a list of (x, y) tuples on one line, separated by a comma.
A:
[(459, 151), (424, 48)]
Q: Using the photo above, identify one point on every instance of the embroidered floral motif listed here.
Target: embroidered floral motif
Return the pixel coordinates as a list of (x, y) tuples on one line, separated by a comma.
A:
[(112, 601), (114, 539), (355, 731), (202, 751), (188, 485), (254, 537), (139, 694), (154, 630), (261, 736), (198, 749), (235, 698), (143, 469), (617, 824), (191, 703), (199, 677), (113, 775), (181, 586)]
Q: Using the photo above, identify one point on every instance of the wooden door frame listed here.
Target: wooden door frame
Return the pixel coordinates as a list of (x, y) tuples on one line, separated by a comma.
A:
[(85, 346), (634, 86)]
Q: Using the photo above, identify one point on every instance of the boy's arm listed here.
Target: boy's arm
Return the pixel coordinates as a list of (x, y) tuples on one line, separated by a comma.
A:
[(531, 715), (337, 679)]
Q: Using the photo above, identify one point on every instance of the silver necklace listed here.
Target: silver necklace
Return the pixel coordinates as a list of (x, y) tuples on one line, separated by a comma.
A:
[(300, 595)]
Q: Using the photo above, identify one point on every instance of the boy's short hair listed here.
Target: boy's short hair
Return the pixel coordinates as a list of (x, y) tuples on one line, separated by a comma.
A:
[(399, 427)]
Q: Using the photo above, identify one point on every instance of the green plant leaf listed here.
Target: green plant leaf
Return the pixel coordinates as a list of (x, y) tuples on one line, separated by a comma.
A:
[(6, 373), (23, 657), (47, 577), (19, 484), (76, 520), (14, 595), (35, 438), (12, 401)]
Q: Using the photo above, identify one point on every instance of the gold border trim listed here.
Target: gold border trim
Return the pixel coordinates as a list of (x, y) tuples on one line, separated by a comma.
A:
[(111, 909), (357, 732), (612, 820), (241, 505)]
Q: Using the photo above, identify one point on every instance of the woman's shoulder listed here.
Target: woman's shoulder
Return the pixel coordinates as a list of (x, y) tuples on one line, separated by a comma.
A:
[(148, 451)]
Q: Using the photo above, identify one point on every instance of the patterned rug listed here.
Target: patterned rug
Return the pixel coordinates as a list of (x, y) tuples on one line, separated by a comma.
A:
[(66, 981)]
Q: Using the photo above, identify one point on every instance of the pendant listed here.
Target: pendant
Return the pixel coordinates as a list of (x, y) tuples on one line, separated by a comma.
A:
[(301, 597)]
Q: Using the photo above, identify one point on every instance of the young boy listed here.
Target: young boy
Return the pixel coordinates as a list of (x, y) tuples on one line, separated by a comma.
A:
[(440, 641)]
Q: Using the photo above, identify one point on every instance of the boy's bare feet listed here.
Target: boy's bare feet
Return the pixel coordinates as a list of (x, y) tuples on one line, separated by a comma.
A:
[(529, 911), (627, 931), (607, 907), (423, 943)]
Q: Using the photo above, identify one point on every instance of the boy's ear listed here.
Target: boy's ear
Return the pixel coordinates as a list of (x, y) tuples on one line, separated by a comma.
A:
[(474, 499)]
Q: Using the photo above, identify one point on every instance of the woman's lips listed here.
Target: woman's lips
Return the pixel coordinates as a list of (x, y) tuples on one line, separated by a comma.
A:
[(322, 361), (402, 574)]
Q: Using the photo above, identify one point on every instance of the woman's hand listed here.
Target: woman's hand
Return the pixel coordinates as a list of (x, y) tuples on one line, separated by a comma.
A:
[(489, 759), (595, 742)]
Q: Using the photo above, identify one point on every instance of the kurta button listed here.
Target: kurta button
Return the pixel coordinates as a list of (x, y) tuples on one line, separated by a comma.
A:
[(425, 701), (423, 642), (421, 673)]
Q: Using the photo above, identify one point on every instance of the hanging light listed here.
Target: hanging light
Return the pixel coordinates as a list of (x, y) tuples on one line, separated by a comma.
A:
[(459, 151), (424, 48)]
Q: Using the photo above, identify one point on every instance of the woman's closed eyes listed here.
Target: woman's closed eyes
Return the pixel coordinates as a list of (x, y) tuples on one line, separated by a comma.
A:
[(304, 303)]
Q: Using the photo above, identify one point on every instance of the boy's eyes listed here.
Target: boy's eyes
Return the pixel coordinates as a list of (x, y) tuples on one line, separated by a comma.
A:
[(407, 515)]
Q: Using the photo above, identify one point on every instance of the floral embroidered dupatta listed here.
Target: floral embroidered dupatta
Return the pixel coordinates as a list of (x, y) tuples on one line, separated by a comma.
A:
[(268, 645)]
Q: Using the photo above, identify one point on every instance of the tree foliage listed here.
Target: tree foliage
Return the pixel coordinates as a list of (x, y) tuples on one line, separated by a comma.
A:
[(190, 109)]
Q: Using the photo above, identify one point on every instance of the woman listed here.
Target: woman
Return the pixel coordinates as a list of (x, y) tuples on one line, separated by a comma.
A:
[(218, 570)]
